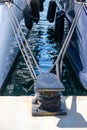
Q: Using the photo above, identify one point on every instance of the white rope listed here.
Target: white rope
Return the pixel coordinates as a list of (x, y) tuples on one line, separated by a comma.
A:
[(26, 43), (73, 28), (22, 51), (15, 30), (68, 38)]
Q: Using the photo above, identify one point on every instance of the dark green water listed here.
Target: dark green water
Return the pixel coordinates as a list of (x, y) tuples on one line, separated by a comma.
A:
[(45, 50)]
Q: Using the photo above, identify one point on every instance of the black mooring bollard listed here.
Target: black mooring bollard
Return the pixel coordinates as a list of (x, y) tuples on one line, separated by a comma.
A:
[(47, 96)]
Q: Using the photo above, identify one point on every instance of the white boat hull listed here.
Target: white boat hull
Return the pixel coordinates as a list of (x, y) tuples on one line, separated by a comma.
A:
[(79, 63), (8, 44)]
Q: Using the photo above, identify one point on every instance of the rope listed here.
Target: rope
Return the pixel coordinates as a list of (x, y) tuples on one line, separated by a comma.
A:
[(14, 24), (28, 47), (85, 9), (25, 51), (68, 38), (18, 41), (64, 48), (67, 11), (36, 18), (3, 1)]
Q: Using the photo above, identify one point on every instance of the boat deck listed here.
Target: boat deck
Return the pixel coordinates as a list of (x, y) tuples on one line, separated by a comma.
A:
[(16, 114)]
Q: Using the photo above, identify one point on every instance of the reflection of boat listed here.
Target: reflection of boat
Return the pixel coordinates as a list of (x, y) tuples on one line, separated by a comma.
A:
[(76, 51), (8, 46)]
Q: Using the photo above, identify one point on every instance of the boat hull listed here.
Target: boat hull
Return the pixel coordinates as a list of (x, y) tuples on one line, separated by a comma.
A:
[(8, 45), (77, 52)]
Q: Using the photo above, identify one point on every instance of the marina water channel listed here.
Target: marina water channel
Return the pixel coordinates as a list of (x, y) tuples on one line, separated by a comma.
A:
[(45, 50)]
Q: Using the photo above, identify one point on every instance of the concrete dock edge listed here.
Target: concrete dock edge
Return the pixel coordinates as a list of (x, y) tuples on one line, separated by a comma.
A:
[(16, 114)]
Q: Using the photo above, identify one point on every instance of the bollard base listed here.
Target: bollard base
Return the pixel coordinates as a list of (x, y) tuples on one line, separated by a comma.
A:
[(37, 111)]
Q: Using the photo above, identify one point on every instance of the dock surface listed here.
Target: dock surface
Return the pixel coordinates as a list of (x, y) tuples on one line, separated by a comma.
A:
[(16, 114)]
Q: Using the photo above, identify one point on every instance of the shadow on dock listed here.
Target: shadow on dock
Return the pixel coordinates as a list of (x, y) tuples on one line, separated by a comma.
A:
[(73, 119)]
